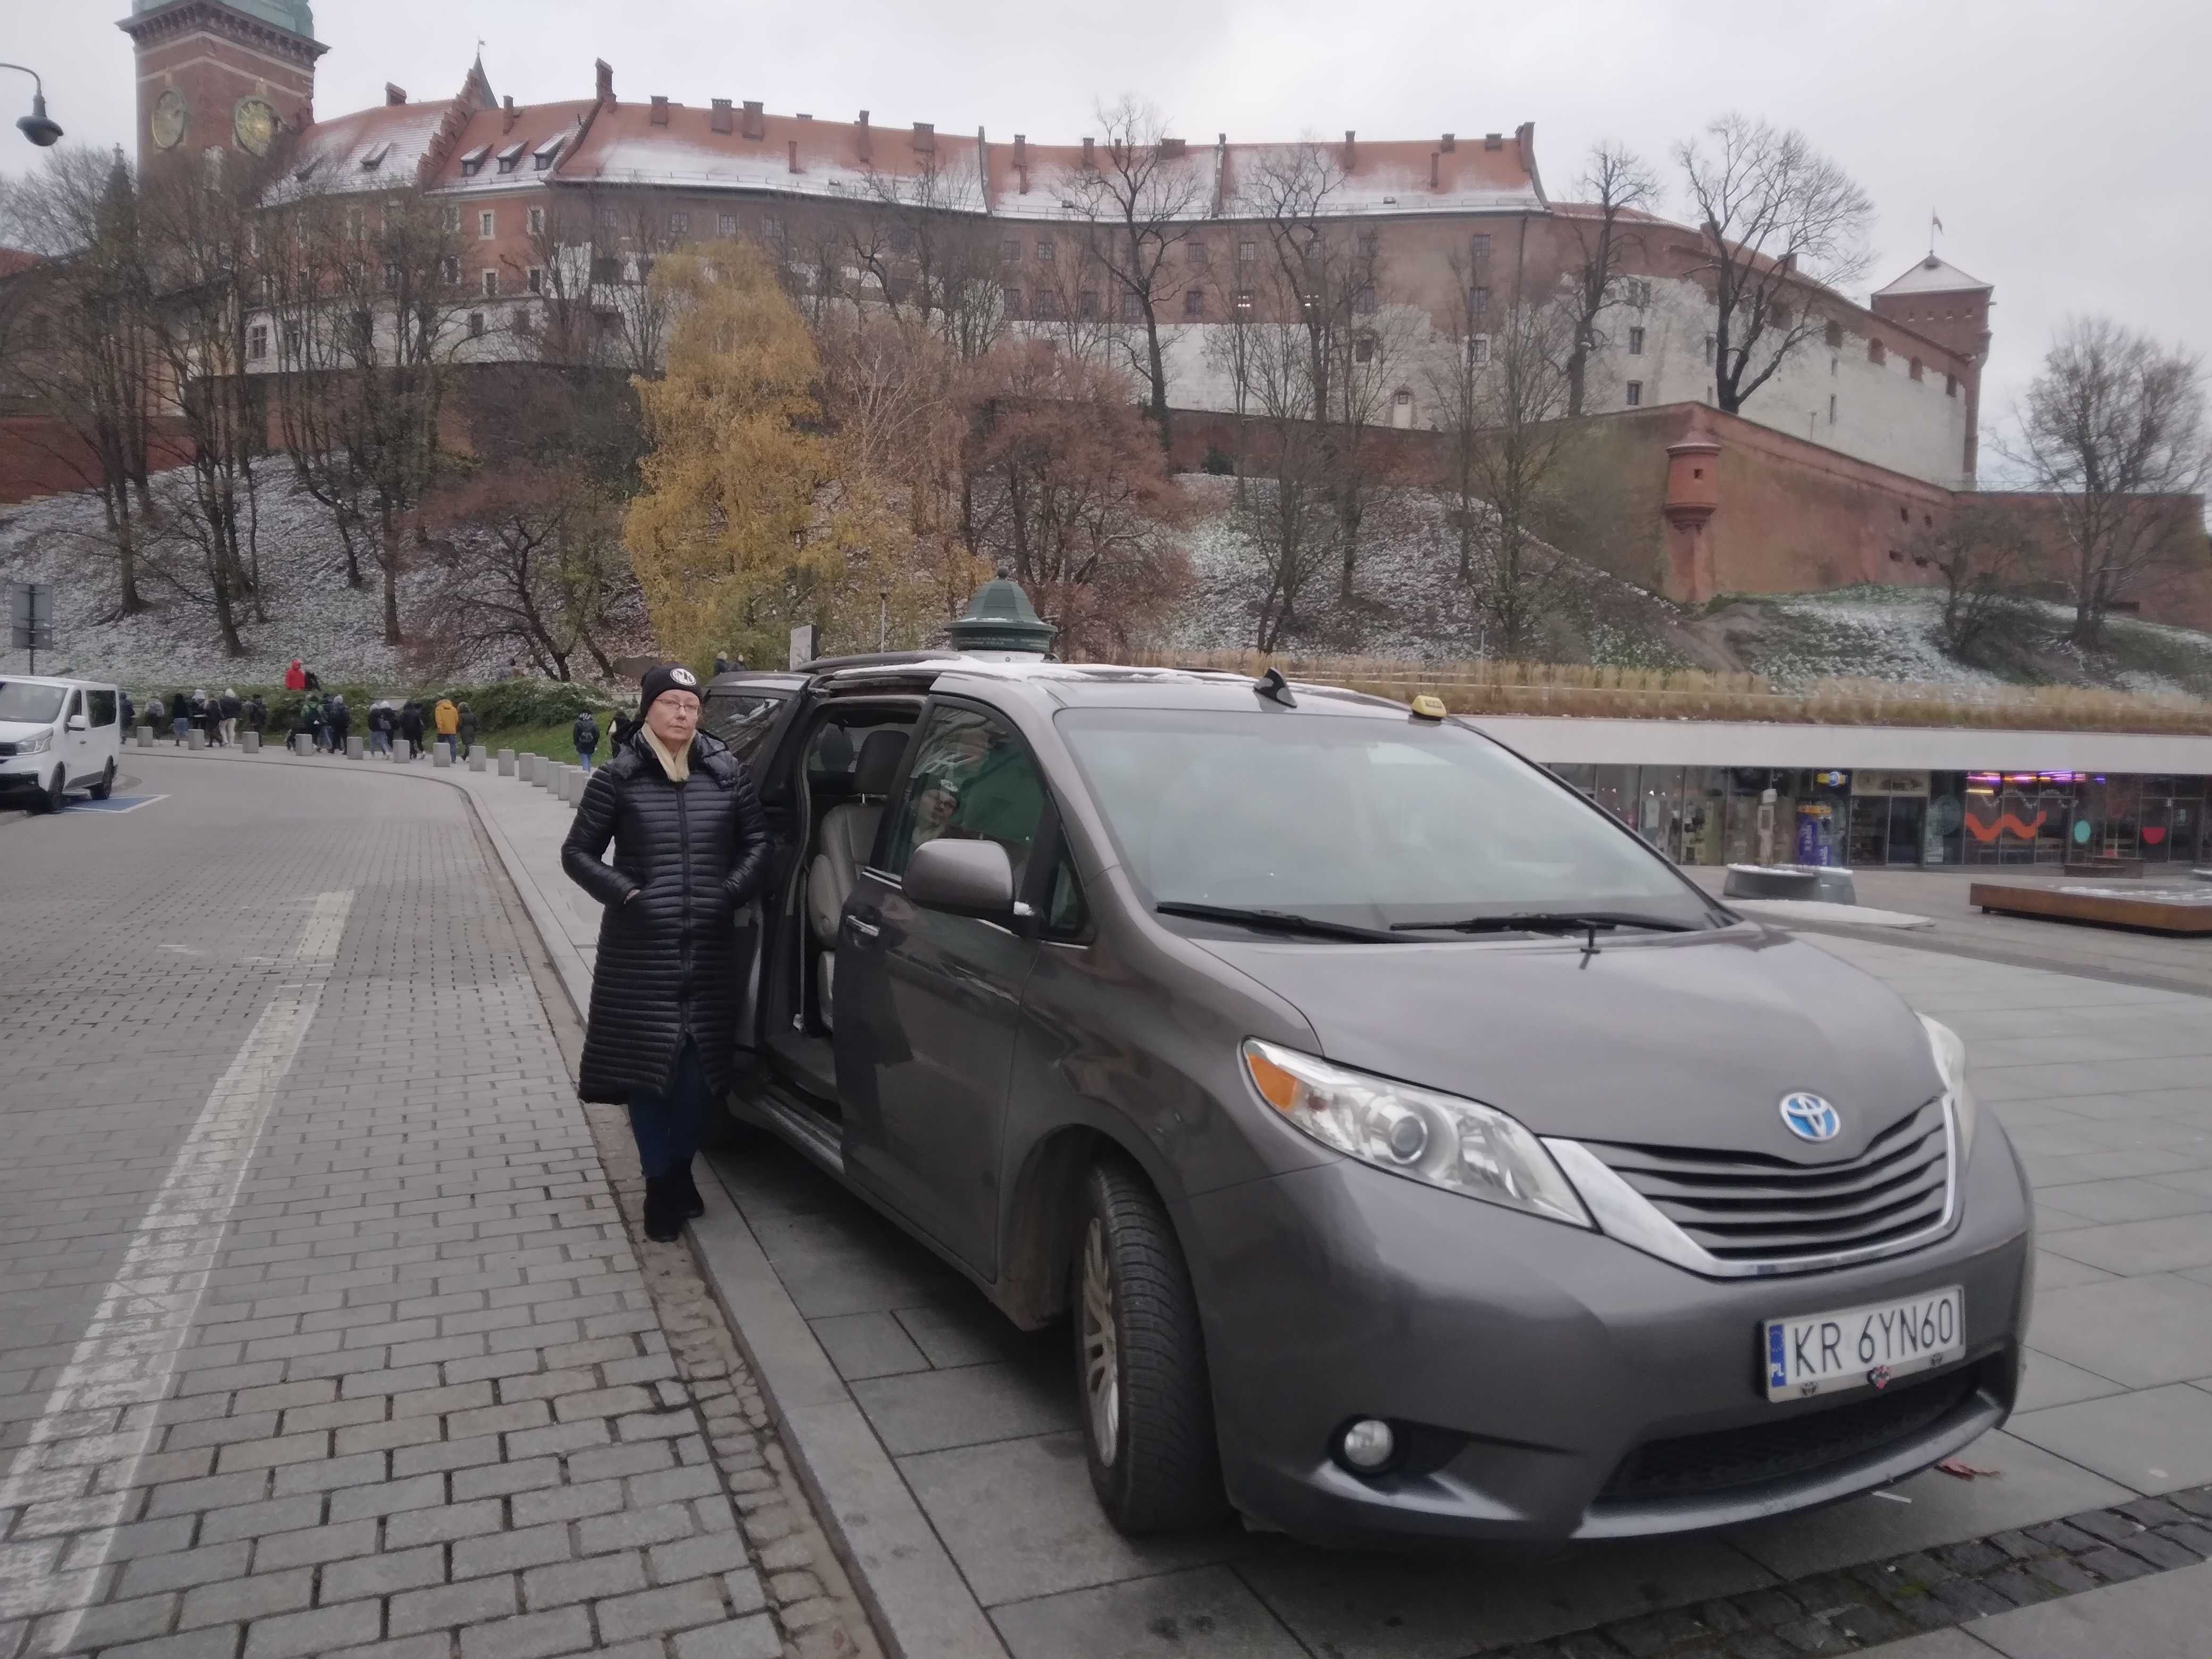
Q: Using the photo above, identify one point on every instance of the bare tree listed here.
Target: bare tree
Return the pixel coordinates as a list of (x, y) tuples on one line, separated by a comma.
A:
[(1983, 551), (1283, 512), (1519, 399), (1777, 217), (1617, 184), (2113, 429), (85, 355), (1140, 196)]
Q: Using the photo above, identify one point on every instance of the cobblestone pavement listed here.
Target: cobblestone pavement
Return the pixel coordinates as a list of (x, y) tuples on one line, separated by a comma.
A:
[(321, 1330)]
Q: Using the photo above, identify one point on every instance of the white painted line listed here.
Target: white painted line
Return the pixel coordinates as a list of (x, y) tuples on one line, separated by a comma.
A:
[(85, 1446)]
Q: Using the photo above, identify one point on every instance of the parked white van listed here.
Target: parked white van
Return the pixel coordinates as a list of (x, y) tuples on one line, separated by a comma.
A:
[(56, 736)]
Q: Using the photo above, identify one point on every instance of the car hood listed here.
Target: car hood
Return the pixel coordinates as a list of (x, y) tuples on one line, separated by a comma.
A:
[(1688, 1041), (16, 730)]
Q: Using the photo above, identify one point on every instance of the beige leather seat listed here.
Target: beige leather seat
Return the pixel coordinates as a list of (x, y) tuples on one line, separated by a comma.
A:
[(848, 837)]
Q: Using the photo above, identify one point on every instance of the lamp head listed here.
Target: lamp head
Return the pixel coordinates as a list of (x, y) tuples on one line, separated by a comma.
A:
[(37, 126)]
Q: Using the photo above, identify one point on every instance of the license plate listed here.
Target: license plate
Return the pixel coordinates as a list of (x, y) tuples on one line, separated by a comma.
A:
[(1864, 1347)]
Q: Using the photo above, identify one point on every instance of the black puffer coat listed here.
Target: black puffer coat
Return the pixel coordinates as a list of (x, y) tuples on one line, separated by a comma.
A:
[(692, 853)]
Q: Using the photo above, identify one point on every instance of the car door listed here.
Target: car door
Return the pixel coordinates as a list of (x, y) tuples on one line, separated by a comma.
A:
[(76, 739), (928, 1003)]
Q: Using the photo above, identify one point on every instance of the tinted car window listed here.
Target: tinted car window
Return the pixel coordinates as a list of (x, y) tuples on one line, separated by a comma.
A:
[(971, 779), (19, 701), (103, 707), (742, 719), (1358, 819)]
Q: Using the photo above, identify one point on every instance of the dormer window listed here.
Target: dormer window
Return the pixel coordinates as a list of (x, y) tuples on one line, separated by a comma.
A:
[(472, 162), (373, 157), (549, 152), (511, 157)]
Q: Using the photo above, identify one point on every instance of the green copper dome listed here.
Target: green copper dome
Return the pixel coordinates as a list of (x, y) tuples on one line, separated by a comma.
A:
[(1001, 618), (297, 15)]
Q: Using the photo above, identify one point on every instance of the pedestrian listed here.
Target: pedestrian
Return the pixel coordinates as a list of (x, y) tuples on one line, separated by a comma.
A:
[(721, 664), (623, 730), (313, 683), (585, 734), (157, 713), (319, 720), (295, 677), (690, 845), (257, 715), (227, 709), (468, 729), (379, 728), (411, 726), (130, 713), (341, 719), (446, 717)]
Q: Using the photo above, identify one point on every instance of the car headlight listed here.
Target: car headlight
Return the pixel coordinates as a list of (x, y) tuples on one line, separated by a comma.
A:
[(37, 744), (1951, 1065), (1438, 1138)]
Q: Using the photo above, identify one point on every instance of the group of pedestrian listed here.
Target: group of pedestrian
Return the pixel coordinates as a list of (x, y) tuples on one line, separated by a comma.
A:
[(215, 716)]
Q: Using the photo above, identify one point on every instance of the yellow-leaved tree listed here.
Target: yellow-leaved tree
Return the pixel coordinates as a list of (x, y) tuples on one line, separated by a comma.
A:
[(754, 518)]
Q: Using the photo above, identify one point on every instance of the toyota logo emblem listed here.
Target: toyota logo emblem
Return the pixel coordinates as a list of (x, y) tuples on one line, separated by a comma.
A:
[(1811, 1118)]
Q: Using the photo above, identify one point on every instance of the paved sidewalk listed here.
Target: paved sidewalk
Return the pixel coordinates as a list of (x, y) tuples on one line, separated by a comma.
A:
[(966, 1427), (320, 1330)]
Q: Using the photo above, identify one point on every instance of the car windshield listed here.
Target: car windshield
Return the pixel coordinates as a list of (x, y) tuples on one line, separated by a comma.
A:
[(23, 701), (1379, 823)]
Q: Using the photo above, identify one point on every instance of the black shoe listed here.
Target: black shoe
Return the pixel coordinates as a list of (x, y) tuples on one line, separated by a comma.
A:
[(687, 1194), (664, 1209)]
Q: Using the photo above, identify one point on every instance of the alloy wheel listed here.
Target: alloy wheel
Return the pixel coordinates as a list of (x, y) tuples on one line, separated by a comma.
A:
[(1102, 1371)]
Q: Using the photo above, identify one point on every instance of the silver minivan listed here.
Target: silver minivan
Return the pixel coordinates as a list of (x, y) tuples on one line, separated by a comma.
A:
[(57, 735)]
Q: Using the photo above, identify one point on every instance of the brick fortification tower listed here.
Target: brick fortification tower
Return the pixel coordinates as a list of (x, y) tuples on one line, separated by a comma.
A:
[(222, 74)]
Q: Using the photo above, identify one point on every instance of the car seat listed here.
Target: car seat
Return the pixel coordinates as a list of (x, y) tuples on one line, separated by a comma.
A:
[(847, 837)]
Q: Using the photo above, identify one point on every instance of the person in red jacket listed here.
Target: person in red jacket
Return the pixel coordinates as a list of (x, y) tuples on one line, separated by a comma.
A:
[(295, 677)]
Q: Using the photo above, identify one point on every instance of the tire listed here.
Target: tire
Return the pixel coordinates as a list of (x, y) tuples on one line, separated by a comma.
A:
[(105, 787), (55, 796), (1144, 1397)]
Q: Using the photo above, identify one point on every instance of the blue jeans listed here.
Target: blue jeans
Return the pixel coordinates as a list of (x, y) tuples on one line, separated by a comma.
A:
[(181, 725), (584, 759), (379, 743), (668, 1123)]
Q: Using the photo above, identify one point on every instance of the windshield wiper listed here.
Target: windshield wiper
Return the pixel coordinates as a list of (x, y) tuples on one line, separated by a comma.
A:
[(1548, 921), (1280, 921)]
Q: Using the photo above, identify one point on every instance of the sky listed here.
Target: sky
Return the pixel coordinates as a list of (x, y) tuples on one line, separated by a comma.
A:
[(2064, 146)]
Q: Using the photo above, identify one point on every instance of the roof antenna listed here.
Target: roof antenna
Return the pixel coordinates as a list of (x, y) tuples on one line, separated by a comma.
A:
[(1273, 686)]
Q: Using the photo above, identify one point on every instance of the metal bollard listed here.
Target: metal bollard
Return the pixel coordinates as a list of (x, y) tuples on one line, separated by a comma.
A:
[(506, 762), (250, 741), (353, 747)]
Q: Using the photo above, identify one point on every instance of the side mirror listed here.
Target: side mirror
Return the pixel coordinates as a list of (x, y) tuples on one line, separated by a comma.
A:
[(965, 877), (77, 723)]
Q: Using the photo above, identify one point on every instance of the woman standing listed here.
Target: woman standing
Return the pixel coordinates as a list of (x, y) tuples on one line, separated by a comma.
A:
[(690, 847)]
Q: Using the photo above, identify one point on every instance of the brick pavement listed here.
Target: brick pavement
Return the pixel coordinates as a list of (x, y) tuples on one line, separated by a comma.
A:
[(320, 1329)]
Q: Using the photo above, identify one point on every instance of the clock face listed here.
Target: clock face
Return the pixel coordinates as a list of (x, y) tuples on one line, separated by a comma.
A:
[(168, 121), (255, 123)]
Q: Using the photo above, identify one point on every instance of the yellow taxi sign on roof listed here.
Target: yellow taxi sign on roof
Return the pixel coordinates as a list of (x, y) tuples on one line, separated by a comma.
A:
[(1427, 708)]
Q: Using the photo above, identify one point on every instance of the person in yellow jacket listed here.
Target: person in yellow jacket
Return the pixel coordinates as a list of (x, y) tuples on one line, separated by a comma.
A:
[(446, 718)]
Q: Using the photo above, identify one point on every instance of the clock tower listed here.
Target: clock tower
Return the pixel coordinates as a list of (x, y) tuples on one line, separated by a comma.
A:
[(232, 74)]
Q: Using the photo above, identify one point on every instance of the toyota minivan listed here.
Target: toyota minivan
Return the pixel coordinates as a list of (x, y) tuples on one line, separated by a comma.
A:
[(57, 735), (1409, 1149)]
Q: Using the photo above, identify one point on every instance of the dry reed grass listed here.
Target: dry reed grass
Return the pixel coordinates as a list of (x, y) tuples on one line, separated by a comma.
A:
[(1564, 689)]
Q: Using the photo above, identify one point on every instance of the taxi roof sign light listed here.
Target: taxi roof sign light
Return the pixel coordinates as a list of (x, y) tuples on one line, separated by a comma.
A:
[(1429, 707)]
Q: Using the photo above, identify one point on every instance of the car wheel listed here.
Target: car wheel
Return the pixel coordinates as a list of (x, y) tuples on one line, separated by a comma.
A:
[(105, 787), (56, 795), (1140, 1362)]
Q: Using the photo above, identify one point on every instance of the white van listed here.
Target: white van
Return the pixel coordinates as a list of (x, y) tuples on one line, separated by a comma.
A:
[(58, 735)]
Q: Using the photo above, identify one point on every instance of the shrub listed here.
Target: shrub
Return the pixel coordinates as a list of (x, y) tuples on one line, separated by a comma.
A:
[(1217, 463)]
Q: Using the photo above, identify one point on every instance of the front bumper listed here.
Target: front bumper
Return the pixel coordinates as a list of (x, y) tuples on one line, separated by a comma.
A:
[(1550, 1383), (25, 771)]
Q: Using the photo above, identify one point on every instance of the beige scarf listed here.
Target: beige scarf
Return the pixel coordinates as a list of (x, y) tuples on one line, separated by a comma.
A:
[(678, 767)]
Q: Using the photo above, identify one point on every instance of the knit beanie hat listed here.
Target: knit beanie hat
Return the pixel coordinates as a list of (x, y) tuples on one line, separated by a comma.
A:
[(664, 677)]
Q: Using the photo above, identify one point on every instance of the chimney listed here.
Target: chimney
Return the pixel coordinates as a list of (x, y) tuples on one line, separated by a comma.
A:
[(1171, 149), (394, 95), (718, 119), (864, 135), (1493, 141), (1022, 160), (1350, 151), (507, 126), (1089, 160), (1434, 155), (802, 116), (606, 73), (659, 110), (1451, 141), (925, 137), (755, 128), (794, 153)]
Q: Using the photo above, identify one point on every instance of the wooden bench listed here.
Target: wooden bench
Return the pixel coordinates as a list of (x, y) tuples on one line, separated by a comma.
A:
[(2158, 910)]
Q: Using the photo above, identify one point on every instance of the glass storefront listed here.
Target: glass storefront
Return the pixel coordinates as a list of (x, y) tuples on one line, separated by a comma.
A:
[(1872, 818)]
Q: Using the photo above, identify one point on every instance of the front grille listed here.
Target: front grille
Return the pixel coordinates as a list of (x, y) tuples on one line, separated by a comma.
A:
[(1697, 1465), (1745, 1206), (7, 748)]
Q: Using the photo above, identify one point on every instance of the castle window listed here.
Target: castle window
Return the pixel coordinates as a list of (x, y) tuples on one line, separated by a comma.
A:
[(1363, 348), (1011, 298), (1132, 307), (491, 284), (472, 163), (511, 157), (1478, 300), (1639, 293), (1478, 245), (725, 226), (771, 227), (1044, 251), (679, 224), (537, 222), (1477, 349), (1835, 337), (449, 268), (1010, 251), (1363, 302), (1247, 252), (1198, 254), (1086, 302), (484, 223), (451, 219), (476, 322), (1371, 244), (256, 341), (547, 152), (534, 279), (1917, 374), (1636, 342), (1048, 305), (1194, 302), (1636, 394)]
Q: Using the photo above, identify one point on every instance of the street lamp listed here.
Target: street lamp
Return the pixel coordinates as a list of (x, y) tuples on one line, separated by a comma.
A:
[(40, 128)]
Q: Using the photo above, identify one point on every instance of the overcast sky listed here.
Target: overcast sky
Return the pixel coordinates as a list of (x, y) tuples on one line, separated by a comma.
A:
[(2065, 146)]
